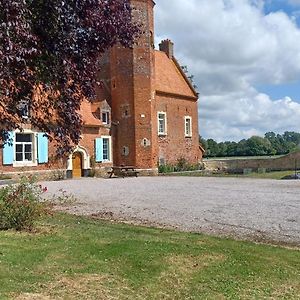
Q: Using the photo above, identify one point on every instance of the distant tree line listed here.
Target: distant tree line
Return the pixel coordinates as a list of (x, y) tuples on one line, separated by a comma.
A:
[(270, 144)]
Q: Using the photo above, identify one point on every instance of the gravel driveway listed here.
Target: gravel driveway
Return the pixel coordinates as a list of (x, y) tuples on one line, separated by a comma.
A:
[(244, 208)]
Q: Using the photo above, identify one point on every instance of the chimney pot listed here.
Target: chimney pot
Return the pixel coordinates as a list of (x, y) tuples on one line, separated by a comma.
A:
[(167, 46)]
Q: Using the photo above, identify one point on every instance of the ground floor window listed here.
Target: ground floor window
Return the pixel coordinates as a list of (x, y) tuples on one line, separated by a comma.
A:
[(27, 149), (24, 147), (162, 123), (103, 149), (106, 149)]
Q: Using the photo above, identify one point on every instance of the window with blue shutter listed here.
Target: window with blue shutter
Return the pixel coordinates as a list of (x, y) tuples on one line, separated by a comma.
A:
[(42, 142), (8, 151), (99, 150)]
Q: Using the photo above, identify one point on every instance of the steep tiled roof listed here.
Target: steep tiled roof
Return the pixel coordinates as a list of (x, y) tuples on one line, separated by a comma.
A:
[(87, 115), (169, 78)]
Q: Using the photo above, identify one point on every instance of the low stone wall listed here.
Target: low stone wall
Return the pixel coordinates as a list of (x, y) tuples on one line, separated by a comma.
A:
[(287, 162)]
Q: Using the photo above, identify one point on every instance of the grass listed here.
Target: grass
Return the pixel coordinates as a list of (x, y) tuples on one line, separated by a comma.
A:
[(268, 175), (4, 177), (244, 157), (271, 175), (80, 258)]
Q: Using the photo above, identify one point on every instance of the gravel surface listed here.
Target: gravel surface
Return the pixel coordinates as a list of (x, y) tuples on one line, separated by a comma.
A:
[(264, 210)]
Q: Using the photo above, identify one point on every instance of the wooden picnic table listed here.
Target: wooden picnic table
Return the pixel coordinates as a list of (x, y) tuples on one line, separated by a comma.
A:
[(123, 171)]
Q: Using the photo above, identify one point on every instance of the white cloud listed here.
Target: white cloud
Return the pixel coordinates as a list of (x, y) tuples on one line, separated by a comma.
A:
[(231, 46), (241, 115)]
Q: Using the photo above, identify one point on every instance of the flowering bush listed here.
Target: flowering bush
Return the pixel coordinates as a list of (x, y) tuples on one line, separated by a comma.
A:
[(21, 204)]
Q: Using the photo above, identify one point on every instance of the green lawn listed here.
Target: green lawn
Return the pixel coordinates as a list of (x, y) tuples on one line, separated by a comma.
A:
[(80, 258), (271, 175), (267, 175)]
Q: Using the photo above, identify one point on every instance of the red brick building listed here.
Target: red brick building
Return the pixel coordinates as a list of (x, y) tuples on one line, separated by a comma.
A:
[(145, 113)]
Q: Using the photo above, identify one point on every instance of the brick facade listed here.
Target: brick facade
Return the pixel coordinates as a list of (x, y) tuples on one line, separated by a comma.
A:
[(138, 83)]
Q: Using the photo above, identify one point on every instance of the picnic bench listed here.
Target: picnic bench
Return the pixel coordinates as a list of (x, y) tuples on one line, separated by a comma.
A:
[(123, 171)]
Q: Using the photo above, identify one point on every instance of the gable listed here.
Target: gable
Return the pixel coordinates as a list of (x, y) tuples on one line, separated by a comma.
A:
[(170, 79)]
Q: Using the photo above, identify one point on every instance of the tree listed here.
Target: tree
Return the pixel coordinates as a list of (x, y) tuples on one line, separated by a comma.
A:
[(257, 145), (48, 60), (212, 148), (231, 148)]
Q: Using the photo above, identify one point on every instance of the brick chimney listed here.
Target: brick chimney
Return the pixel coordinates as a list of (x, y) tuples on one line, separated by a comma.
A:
[(167, 46)]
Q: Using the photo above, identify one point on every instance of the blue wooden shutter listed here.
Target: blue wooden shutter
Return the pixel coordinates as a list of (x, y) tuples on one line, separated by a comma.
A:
[(99, 150), (42, 148), (8, 150)]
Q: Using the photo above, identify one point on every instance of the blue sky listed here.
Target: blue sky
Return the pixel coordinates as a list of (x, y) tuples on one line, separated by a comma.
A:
[(245, 58), (293, 10)]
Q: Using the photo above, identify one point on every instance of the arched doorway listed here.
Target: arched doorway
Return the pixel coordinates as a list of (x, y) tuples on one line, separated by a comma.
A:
[(77, 164)]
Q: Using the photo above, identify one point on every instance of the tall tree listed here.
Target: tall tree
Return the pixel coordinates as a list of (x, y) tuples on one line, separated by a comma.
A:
[(48, 60)]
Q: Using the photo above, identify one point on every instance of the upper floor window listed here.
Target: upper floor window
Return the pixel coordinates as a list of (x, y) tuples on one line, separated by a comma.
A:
[(188, 126), (23, 107), (105, 117), (162, 123)]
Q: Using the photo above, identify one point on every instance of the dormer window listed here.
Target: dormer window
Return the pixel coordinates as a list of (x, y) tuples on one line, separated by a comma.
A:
[(24, 110), (105, 117)]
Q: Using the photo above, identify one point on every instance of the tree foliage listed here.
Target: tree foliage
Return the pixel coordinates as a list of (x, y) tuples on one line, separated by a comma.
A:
[(48, 60), (270, 144)]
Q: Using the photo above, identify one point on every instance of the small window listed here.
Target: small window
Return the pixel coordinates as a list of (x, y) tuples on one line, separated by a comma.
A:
[(24, 148), (162, 123), (125, 151), (24, 110), (106, 149), (188, 126), (145, 142), (105, 117)]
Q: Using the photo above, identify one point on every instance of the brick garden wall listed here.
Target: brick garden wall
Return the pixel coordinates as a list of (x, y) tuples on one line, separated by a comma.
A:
[(288, 162)]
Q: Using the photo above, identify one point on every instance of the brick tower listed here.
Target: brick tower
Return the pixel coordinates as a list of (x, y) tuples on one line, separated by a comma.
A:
[(132, 95)]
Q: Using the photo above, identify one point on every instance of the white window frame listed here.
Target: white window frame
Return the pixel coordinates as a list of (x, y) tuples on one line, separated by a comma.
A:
[(107, 113), (164, 120), (34, 161), (188, 133), (110, 158)]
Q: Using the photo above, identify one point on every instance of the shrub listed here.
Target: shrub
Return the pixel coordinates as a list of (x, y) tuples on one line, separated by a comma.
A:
[(21, 204), (181, 166), (62, 198), (57, 175), (166, 169)]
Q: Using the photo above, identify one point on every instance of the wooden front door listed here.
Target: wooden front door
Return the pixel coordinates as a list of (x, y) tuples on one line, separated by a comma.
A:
[(77, 164)]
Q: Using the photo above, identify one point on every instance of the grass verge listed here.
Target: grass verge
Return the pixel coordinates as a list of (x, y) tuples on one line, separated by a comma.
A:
[(268, 175), (79, 258)]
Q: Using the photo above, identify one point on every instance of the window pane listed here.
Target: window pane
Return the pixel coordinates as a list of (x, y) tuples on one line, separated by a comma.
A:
[(28, 156), (19, 156), (104, 120), (28, 147), (161, 126), (23, 138), (19, 148)]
